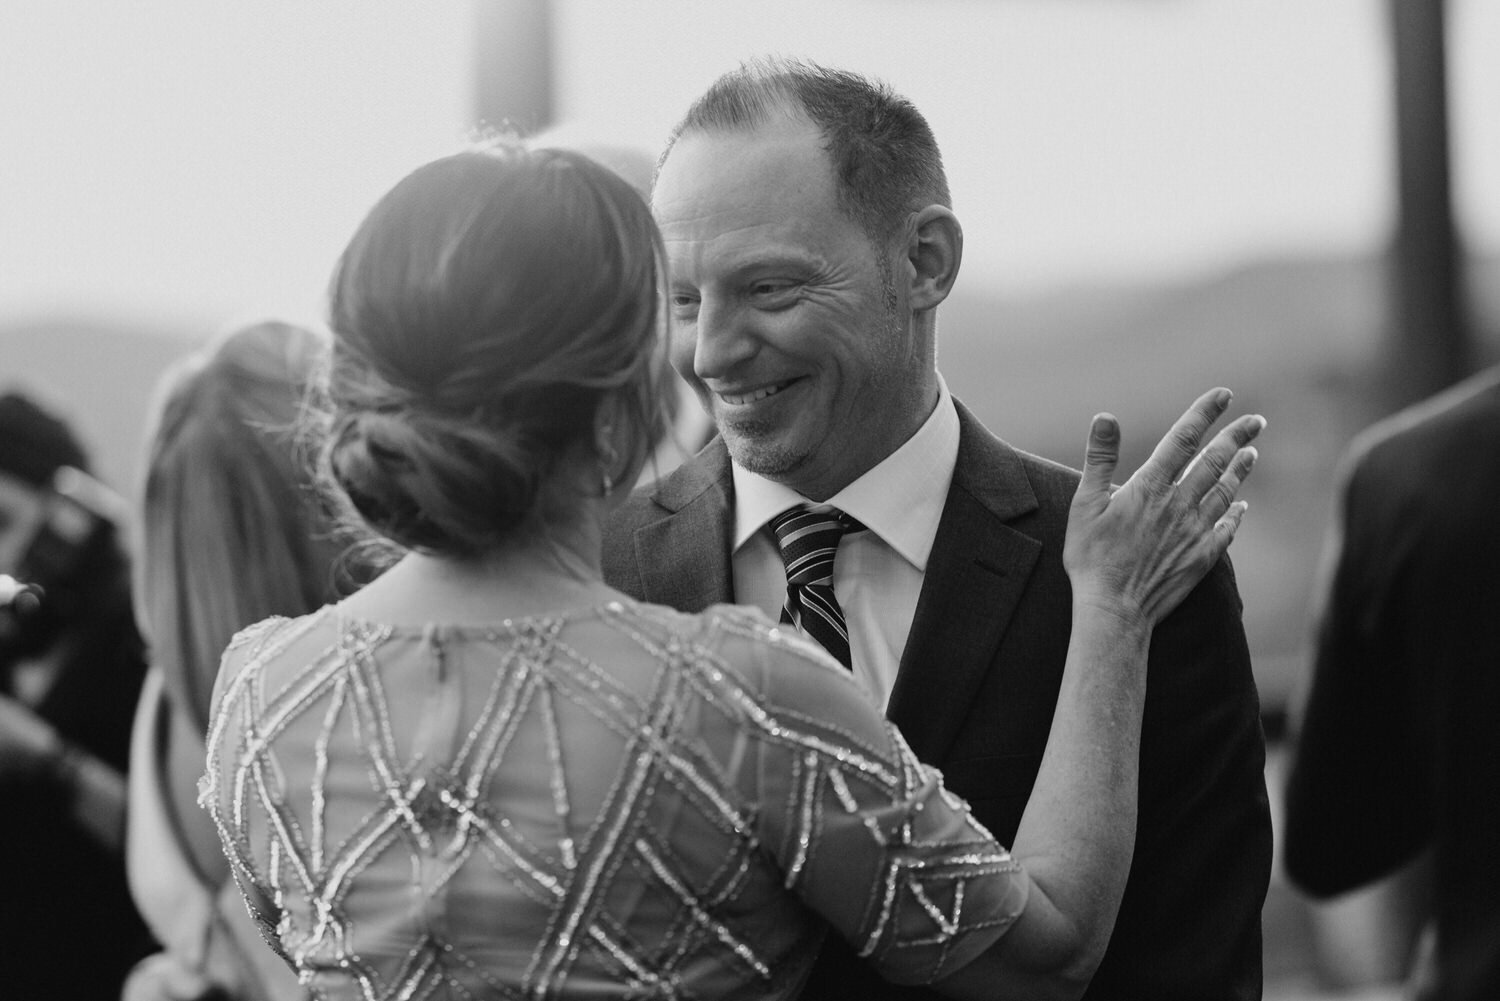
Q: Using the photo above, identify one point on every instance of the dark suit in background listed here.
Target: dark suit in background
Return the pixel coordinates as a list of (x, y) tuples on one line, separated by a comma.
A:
[(975, 695), (1398, 753)]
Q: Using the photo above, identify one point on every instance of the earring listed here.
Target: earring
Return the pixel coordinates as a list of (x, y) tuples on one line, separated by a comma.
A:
[(608, 459)]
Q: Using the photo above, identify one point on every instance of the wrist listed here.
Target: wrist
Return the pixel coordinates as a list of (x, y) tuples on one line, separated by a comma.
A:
[(1121, 615)]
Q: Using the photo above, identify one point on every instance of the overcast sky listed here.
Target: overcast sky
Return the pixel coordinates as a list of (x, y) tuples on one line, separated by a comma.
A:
[(207, 160)]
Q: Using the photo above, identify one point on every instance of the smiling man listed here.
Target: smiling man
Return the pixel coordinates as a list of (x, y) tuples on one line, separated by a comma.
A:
[(810, 237), (804, 359)]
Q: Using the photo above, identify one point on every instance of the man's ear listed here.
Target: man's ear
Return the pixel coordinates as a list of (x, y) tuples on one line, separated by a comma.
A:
[(934, 251)]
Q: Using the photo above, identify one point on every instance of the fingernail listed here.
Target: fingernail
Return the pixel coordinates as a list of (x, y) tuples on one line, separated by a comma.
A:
[(1224, 397)]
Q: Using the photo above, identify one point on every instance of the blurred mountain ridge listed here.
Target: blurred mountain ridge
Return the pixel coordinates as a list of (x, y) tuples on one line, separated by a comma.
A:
[(1298, 339), (1278, 324)]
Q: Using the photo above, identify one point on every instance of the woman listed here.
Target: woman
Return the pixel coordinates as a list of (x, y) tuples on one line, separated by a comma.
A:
[(230, 533), (489, 774)]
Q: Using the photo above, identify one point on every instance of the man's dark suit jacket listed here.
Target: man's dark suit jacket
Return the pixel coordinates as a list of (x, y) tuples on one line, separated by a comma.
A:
[(975, 693), (1398, 751)]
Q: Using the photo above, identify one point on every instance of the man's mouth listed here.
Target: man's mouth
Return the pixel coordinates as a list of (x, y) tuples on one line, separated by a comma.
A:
[(753, 396)]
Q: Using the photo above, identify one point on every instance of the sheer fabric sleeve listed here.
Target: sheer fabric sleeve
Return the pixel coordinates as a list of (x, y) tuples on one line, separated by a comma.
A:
[(864, 833), (224, 791)]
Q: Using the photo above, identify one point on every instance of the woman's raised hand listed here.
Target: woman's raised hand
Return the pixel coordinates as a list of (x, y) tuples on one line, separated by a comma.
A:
[(1137, 550)]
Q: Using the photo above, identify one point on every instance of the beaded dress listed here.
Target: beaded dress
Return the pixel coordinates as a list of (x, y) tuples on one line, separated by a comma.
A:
[(614, 802)]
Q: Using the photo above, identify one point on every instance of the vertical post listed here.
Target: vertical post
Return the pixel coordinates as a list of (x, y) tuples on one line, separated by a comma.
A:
[(1431, 346), (514, 64)]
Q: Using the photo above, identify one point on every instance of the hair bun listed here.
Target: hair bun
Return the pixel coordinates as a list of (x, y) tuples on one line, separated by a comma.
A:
[(430, 481), (483, 312)]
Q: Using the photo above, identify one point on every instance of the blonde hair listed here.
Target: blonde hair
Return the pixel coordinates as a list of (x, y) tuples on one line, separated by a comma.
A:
[(231, 531)]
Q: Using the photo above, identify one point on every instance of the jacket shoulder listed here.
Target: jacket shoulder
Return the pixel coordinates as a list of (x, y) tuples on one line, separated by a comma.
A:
[(619, 560), (701, 489)]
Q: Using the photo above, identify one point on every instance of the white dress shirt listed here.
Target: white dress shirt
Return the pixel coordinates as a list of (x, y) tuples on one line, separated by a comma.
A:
[(877, 575)]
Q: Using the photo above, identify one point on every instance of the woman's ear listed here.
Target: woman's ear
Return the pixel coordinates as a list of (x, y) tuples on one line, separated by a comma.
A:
[(934, 251)]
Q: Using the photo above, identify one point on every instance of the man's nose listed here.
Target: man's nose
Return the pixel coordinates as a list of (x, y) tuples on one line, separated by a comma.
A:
[(724, 340)]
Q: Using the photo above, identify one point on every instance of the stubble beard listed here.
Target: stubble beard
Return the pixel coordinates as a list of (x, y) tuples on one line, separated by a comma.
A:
[(755, 446)]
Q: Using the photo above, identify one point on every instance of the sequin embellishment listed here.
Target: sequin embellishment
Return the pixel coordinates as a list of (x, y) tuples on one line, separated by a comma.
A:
[(620, 792)]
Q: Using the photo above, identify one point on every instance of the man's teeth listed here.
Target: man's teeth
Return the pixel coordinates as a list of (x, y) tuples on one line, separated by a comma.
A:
[(742, 399)]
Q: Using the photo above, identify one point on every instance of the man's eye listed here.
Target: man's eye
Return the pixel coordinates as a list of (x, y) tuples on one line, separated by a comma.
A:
[(682, 301), (770, 287)]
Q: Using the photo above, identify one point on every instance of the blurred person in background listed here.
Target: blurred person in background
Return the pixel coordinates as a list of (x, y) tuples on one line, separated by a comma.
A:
[(230, 533), (811, 243), (71, 665), (1397, 757), (489, 774)]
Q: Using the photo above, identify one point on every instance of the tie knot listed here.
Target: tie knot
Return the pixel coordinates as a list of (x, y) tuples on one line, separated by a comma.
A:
[(809, 540)]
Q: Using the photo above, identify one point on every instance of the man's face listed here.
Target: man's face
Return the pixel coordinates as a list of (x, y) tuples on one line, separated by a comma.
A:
[(21, 513), (787, 321)]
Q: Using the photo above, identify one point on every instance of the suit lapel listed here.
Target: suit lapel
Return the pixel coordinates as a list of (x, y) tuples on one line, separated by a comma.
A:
[(684, 558), (976, 574)]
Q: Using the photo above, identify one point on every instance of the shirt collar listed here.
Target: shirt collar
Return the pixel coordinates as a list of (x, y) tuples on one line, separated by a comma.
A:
[(900, 499)]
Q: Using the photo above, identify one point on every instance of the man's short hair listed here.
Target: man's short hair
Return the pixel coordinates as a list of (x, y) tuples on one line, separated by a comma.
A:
[(885, 158)]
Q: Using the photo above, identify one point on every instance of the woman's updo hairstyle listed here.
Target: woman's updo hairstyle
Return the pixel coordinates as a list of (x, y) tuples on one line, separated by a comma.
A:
[(482, 312)]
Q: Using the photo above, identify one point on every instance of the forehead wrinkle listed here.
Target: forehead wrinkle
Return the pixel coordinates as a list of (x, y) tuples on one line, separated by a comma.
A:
[(727, 203), (729, 255)]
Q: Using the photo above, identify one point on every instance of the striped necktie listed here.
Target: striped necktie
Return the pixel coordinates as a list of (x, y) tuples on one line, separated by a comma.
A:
[(809, 540)]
